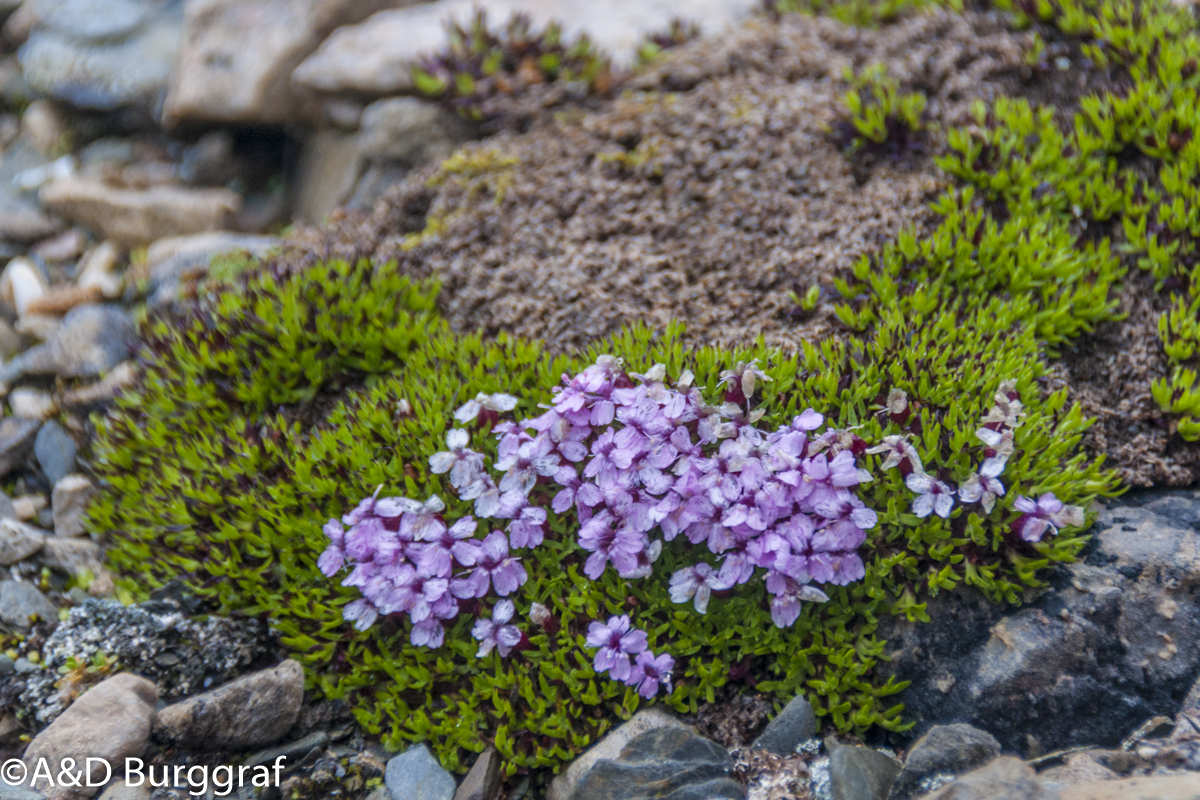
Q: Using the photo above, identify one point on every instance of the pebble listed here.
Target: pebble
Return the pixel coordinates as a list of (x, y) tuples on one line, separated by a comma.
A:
[(110, 721), (18, 541), (16, 441), (55, 451), (91, 340), (1006, 778), (103, 392), (795, 724), (31, 403), (416, 775), (946, 748), (44, 126), (19, 601), (65, 247), (69, 500), (20, 284), (27, 506), (98, 271), (483, 780), (252, 711), (860, 773)]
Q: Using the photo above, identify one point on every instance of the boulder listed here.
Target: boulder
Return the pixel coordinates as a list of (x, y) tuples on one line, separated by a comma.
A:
[(252, 711), (1115, 641), (135, 217), (103, 54), (416, 775), (111, 721), (237, 56), (670, 763)]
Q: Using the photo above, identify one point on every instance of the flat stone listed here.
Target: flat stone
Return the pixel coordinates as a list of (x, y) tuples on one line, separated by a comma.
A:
[(671, 763), (237, 56), (610, 747), (20, 600), (252, 711), (1157, 787), (55, 451), (292, 751), (136, 217), (102, 393), (91, 340), (103, 54), (110, 721), (18, 541), (176, 259), (483, 780), (1006, 778), (69, 501), (861, 773), (416, 775), (946, 748), (31, 403), (796, 723), (16, 441)]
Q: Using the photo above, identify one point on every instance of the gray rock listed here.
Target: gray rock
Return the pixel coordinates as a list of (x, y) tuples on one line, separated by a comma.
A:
[(18, 541), (103, 53), (181, 655), (7, 509), (795, 724), (1005, 778), (6, 666), (174, 261), (416, 775), (19, 601), (23, 666), (18, 793), (111, 721), (329, 169), (672, 763), (945, 748), (69, 502), (292, 751), (483, 781), (252, 711), (1114, 642), (91, 340), (564, 784), (16, 441), (410, 130), (861, 773), (21, 219), (55, 451), (79, 558)]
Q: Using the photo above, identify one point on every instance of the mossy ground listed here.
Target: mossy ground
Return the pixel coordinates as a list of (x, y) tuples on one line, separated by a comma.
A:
[(277, 402)]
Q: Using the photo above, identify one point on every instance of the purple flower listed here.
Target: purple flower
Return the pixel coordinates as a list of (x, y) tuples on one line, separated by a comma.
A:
[(427, 633), (897, 449), (361, 612), (496, 632), (1048, 513), (334, 557), (698, 582), (497, 403), (1000, 444), (526, 529), (621, 546), (435, 557), (495, 567), (933, 496), (616, 642), (983, 489), (789, 593), (465, 466), (650, 672), (522, 469)]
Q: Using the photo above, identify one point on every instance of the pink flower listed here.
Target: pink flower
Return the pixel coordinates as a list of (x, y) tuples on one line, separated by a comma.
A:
[(334, 557), (650, 672), (465, 466), (933, 496), (697, 584), (1048, 513), (496, 632), (495, 567), (616, 642)]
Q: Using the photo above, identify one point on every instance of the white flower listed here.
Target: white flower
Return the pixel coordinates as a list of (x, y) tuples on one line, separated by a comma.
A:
[(983, 489), (1005, 411), (464, 465), (1002, 443), (897, 448), (492, 402), (697, 584), (933, 496)]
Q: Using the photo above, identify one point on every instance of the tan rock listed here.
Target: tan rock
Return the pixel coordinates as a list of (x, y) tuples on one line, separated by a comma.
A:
[(38, 326), (237, 56), (1080, 767), (18, 541), (80, 558), (98, 270), (60, 299), (104, 391), (27, 506), (45, 127), (329, 169), (111, 721), (31, 403), (70, 500), (137, 217), (1185, 786), (20, 284), (67, 246), (1006, 778)]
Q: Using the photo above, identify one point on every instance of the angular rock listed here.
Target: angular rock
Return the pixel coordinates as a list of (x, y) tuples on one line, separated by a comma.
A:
[(1155, 787), (20, 600), (133, 217), (328, 172), (110, 721), (795, 724), (861, 773), (69, 500), (1006, 778), (252, 711), (410, 130), (176, 259), (672, 763), (16, 441), (483, 781), (91, 340), (55, 451), (946, 748), (564, 784), (1114, 642), (237, 56), (18, 541), (416, 775)]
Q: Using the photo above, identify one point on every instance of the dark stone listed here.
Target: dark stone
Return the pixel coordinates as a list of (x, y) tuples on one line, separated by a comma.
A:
[(945, 748), (795, 724), (1095, 656), (665, 764), (16, 440), (19, 601), (416, 775), (91, 340), (483, 781), (860, 773), (290, 752), (55, 451)]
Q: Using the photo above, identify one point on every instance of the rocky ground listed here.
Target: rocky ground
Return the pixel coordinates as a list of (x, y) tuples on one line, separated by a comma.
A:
[(139, 139)]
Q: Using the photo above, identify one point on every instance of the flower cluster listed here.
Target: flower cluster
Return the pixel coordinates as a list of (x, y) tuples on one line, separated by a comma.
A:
[(405, 559), (984, 486), (618, 642)]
